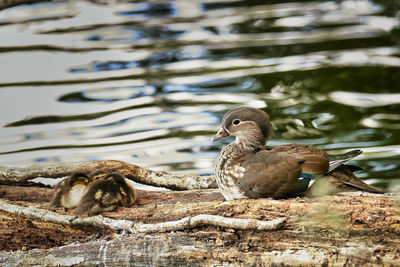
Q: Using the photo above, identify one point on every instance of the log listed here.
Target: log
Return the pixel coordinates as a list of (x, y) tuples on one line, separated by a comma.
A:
[(130, 171), (179, 249), (346, 229), (197, 227)]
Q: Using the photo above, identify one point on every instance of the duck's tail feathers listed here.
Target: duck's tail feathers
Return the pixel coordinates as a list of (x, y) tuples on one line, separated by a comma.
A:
[(337, 160), (353, 168)]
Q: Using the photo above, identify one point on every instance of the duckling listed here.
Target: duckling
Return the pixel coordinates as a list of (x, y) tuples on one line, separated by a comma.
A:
[(105, 194), (69, 191)]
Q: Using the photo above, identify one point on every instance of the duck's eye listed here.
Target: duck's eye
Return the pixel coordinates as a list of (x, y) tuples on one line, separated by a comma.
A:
[(236, 122)]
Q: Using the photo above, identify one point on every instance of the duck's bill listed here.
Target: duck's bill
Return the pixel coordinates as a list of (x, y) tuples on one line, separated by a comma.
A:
[(222, 133)]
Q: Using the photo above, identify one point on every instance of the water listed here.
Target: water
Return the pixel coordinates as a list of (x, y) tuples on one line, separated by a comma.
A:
[(147, 83)]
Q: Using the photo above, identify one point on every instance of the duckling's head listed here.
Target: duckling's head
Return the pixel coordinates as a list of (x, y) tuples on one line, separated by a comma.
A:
[(117, 178), (97, 174), (78, 178)]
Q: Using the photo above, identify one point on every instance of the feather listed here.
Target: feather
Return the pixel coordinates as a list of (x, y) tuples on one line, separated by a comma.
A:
[(315, 164), (337, 160), (351, 168)]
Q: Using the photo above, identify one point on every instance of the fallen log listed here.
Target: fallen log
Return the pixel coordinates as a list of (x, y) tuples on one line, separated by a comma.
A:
[(181, 249), (198, 227), (353, 229)]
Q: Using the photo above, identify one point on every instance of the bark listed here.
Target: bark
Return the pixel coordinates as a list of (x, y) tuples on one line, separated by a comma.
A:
[(130, 171), (347, 229), (179, 249)]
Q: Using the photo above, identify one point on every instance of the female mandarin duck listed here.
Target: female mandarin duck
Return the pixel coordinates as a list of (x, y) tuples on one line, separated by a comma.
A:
[(248, 169)]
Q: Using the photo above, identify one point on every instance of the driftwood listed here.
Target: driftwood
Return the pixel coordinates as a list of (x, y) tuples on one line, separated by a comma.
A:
[(130, 171), (171, 228)]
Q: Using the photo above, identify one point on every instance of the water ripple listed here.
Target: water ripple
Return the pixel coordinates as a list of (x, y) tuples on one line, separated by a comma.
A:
[(148, 83)]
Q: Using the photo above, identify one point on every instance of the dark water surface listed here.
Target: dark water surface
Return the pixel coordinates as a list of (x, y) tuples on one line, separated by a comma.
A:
[(147, 83)]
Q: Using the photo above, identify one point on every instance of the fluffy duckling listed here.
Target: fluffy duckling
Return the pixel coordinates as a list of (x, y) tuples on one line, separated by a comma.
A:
[(105, 194), (69, 191)]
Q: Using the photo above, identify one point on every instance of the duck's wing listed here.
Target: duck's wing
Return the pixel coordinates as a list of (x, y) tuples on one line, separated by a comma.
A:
[(334, 160), (297, 148), (339, 177), (314, 166), (269, 174)]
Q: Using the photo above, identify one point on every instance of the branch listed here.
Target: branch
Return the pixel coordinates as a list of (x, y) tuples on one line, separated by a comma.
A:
[(215, 220), (130, 171), (130, 227)]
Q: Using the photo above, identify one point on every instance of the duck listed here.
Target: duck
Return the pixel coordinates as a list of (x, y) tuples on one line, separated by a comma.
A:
[(69, 191), (246, 168), (106, 194)]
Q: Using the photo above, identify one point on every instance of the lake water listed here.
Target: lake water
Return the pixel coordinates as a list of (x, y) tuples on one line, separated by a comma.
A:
[(147, 83)]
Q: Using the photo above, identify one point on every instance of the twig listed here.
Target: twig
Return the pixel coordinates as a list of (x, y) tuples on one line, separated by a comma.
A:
[(130, 227), (132, 172)]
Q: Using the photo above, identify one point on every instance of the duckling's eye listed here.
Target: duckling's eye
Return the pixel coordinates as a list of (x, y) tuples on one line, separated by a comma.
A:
[(236, 122)]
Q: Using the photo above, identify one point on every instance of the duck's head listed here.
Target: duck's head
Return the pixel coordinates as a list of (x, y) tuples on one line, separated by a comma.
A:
[(247, 124)]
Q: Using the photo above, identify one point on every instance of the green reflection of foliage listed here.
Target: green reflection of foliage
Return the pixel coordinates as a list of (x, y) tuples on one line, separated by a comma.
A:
[(304, 96)]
